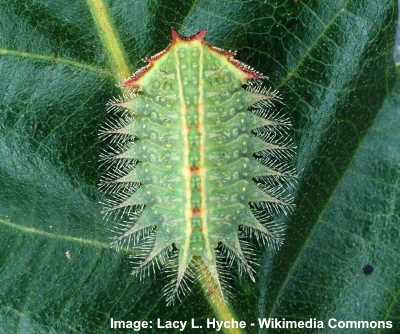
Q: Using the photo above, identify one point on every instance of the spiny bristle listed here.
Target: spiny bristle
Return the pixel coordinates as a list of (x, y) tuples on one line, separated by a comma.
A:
[(115, 180), (276, 137), (277, 145), (278, 192), (277, 207), (113, 158), (220, 289), (277, 167), (276, 119), (231, 257), (112, 153), (279, 174), (116, 208), (273, 238), (116, 129), (250, 252), (268, 97), (119, 103), (126, 234), (175, 291), (143, 266)]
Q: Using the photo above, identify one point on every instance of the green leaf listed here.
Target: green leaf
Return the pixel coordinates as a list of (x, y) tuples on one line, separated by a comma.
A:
[(333, 63)]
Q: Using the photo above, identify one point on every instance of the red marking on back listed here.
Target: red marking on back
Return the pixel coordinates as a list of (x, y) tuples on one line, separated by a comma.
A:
[(251, 74), (133, 81), (177, 37), (196, 212), (194, 170), (226, 53), (158, 55)]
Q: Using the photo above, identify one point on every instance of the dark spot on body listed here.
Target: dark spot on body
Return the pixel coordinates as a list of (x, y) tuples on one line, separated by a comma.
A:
[(368, 269)]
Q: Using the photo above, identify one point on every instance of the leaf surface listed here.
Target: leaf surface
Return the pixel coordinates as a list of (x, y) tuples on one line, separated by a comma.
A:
[(333, 63)]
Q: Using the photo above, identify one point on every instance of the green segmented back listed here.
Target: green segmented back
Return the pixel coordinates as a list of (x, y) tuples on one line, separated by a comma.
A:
[(182, 167)]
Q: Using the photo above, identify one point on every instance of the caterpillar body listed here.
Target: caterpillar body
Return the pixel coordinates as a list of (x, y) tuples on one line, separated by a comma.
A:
[(197, 166)]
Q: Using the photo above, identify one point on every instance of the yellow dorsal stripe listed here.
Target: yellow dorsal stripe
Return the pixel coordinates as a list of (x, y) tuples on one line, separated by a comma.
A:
[(186, 166), (202, 168)]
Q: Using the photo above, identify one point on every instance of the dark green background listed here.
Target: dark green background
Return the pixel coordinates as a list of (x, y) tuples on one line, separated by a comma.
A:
[(333, 63)]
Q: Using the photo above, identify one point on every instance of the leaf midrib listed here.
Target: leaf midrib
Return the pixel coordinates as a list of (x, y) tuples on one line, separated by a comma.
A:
[(50, 235), (110, 39), (313, 45), (54, 60)]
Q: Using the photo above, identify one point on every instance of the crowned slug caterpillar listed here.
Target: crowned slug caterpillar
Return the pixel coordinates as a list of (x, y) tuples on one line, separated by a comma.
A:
[(199, 165)]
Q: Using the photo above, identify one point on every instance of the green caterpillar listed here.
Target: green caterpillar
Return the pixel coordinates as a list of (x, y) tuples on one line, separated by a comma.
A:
[(198, 165)]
